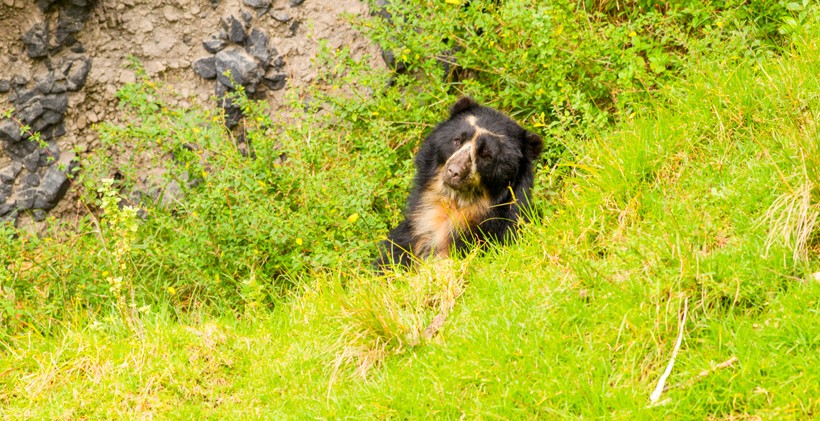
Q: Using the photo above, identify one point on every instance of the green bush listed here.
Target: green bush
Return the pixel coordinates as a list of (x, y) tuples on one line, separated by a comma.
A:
[(571, 63)]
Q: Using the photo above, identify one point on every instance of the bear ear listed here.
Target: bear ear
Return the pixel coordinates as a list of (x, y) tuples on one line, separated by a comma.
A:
[(533, 145), (462, 104)]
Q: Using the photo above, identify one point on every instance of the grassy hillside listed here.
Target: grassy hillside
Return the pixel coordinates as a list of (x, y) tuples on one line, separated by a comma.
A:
[(695, 195)]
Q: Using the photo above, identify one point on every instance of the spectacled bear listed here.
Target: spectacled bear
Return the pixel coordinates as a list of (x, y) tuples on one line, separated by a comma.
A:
[(473, 178)]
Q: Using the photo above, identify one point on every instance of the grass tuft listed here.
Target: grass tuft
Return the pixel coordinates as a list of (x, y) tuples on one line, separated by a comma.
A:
[(396, 313)]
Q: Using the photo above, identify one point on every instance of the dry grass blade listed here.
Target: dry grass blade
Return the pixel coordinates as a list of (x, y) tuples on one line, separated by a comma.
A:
[(726, 364), (791, 219), (653, 398), (448, 282)]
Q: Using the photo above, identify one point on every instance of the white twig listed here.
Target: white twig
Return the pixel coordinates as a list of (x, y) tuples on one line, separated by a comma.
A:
[(653, 398)]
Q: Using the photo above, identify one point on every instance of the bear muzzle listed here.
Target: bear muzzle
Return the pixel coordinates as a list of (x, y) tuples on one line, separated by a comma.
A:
[(458, 171)]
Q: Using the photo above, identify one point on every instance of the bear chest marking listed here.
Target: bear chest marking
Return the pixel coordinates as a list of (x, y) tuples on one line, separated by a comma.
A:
[(439, 218)]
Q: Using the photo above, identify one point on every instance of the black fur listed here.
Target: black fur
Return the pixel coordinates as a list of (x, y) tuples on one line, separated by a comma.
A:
[(503, 154)]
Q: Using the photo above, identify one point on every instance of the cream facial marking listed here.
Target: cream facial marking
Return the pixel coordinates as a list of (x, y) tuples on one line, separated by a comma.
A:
[(460, 170), (473, 120), (469, 147)]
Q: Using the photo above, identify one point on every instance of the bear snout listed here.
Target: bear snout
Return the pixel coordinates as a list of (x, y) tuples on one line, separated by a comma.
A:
[(457, 170)]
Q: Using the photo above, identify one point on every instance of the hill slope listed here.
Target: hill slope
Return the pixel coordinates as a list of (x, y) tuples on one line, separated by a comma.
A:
[(701, 199)]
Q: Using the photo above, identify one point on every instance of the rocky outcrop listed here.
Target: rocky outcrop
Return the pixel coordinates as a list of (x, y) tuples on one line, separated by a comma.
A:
[(242, 56), (63, 61), (37, 174)]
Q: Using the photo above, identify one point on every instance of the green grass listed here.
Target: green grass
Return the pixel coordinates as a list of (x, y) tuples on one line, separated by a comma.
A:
[(520, 344), (695, 197)]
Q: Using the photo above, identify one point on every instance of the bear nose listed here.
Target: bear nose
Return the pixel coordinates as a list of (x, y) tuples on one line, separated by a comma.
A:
[(452, 172)]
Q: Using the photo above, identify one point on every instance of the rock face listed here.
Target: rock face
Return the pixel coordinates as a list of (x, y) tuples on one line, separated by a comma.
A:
[(234, 66), (243, 57), (205, 67), (36, 40), (32, 181), (63, 61)]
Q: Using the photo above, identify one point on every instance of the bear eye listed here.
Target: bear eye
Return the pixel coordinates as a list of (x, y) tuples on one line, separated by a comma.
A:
[(484, 151), (458, 140)]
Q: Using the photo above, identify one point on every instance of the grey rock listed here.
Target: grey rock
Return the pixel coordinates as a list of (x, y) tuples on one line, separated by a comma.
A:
[(32, 160), (25, 199), (205, 67), (221, 90), (19, 80), (247, 17), (53, 187), (9, 174), (23, 97), (19, 150), (31, 180), (294, 3), (70, 21), (243, 68), (257, 4), (6, 211), (294, 26), (32, 109), (257, 45), (76, 72), (59, 86), (216, 42), (36, 40), (138, 196), (49, 155), (55, 102), (9, 130), (380, 9), (281, 17), (39, 215), (261, 6), (44, 83), (232, 111), (5, 192), (278, 62), (214, 4), (53, 131), (5, 86), (47, 119), (274, 80), (235, 29), (390, 59), (171, 194)]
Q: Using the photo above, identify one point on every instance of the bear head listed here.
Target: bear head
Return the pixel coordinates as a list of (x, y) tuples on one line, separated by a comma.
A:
[(479, 151)]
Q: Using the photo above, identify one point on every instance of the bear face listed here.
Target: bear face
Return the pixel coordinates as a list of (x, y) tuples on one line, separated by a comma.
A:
[(473, 178)]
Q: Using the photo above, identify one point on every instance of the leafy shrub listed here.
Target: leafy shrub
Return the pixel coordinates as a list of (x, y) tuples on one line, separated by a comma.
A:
[(301, 200), (569, 64)]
